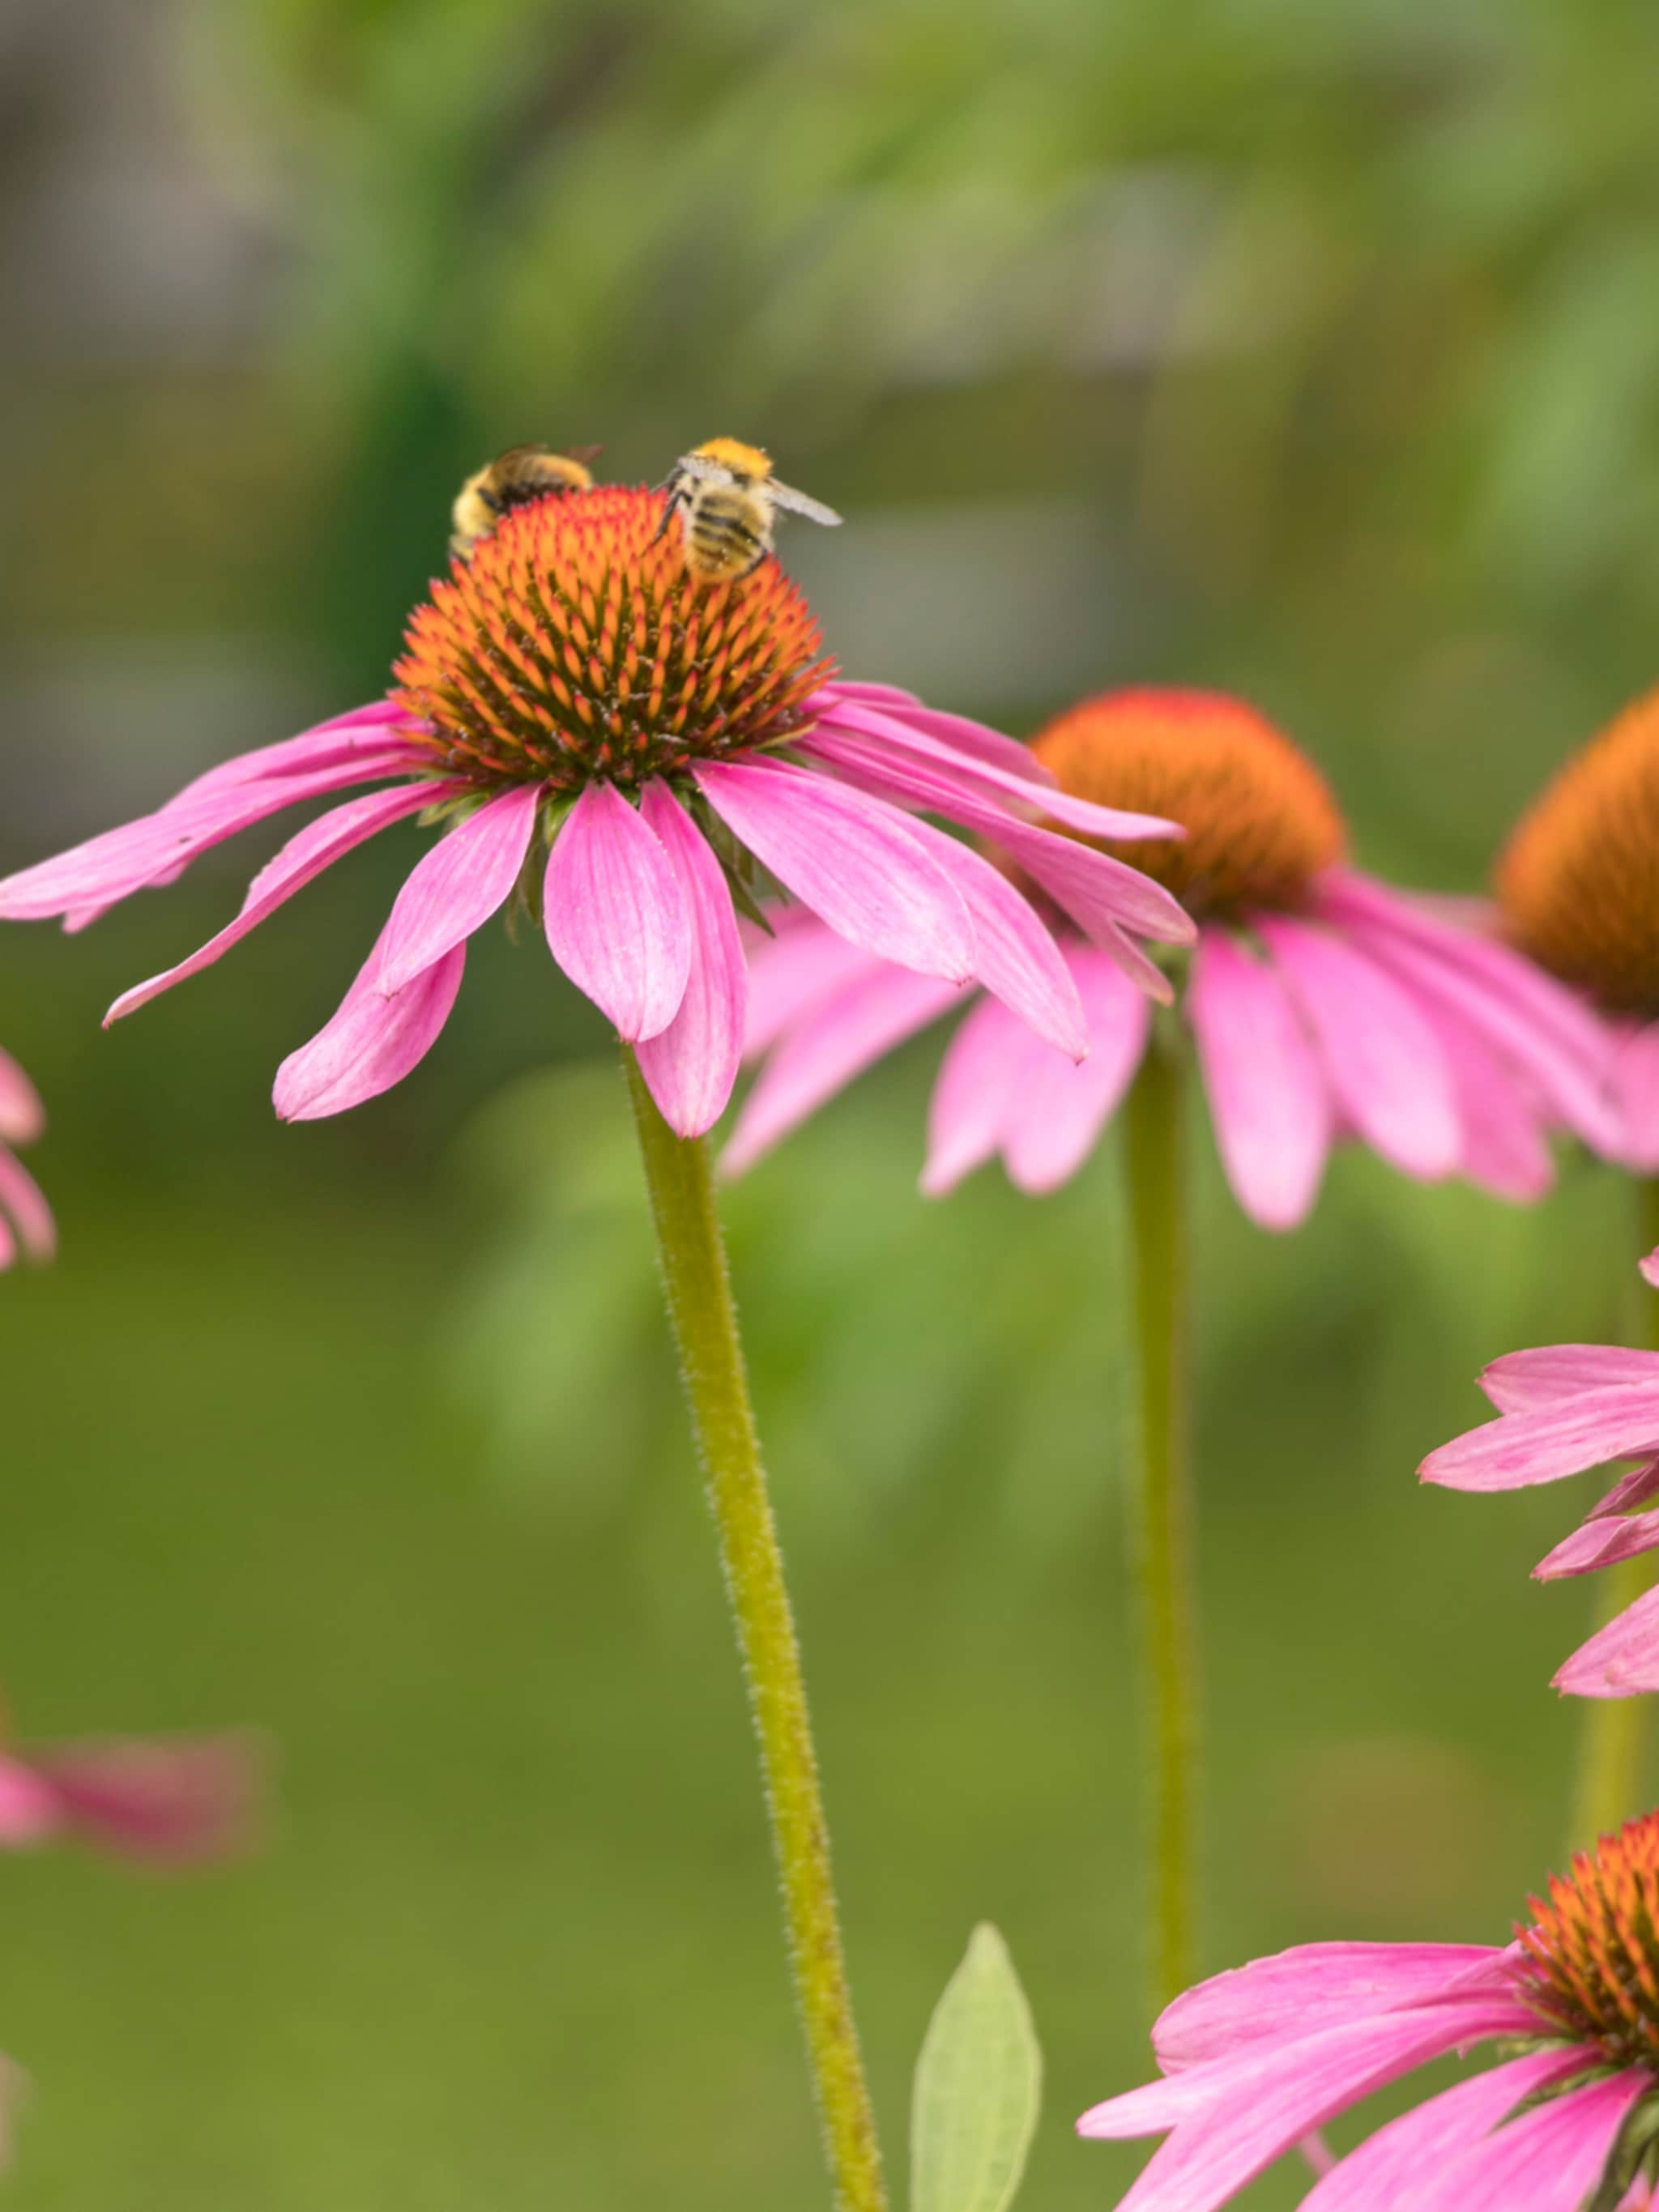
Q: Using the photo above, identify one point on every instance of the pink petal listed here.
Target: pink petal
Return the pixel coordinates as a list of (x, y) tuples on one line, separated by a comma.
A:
[(800, 969), (317, 846), (1131, 962), (1619, 1661), (8, 1246), (467, 876), (1547, 2160), (372, 1042), (691, 1066), (175, 1803), (1293, 1993), (1385, 1066), (1648, 1269), (880, 744), (1015, 957), (1268, 1097), (976, 1081), (1385, 2171), (368, 729), (22, 1117), (29, 1810), (856, 863), (1618, 1421), (954, 731), (1602, 1541), (1257, 2107), (1056, 1111), (1633, 1080), (109, 867), (1520, 1381), (1504, 1150), (1632, 1489), (824, 1052), (30, 1215), (616, 919)]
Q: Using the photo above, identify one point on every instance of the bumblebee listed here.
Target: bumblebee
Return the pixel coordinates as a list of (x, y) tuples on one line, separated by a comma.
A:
[(727, 500), (520, 475)]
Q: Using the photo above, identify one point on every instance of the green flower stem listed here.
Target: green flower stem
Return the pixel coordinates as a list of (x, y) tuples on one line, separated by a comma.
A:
[(705, 1324), (1612, 1758), (1162, 1518)]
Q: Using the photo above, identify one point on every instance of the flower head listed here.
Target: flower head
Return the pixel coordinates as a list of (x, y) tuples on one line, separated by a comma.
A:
[(1321, 1003), (602, 735), (1579, 893), (1255, 2059), (1563, 1408), (26, 1222)]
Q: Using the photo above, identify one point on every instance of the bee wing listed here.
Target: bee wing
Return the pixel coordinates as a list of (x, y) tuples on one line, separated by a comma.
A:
[(699, 465), (581, 454), (799, 503)]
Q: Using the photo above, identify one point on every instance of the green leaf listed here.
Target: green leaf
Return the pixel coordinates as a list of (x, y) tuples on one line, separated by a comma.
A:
[(979, 2083)]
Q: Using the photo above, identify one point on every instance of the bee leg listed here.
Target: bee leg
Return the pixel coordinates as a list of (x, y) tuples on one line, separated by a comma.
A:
[(670, 506)]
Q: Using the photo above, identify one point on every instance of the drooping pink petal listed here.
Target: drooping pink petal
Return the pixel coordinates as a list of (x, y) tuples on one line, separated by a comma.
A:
[(175, 1803), (1387, 2169), (882, 745), (1505, 1149), (466, 876), (857, 864), (1618, 1421), (1648, 1269), (616, 919), (364, 729), (1016, 958), (1633, 1080), (1602, 1541), (22, 1117), (1294, 1993), (1635, 1488), (1386, 1068), (956, 731), (1269, 1096), (1247, 2112), (1543, 1376), (800, 969), (691, 1066), (1619, 1661), (831, 1044), (8, 1245), (317, 846), (372, 1042), (21, 1201), (1056, 1111), (107, 868), (976, 1080), (29, 1809), (1546, 2160), (1131, 962)]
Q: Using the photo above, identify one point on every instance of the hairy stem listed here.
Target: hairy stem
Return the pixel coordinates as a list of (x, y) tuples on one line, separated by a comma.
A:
[(704, 1321)]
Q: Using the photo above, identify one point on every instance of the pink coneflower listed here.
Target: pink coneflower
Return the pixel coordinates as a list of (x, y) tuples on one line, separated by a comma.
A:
[(1255, 2059), (1321, 1004), (26, 1222), (1564, 1408), (619, 745), (173, 1802), (1575, 887)]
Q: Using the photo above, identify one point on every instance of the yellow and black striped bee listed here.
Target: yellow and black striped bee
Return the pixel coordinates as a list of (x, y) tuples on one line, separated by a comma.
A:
[(517, 477), (728, 499)]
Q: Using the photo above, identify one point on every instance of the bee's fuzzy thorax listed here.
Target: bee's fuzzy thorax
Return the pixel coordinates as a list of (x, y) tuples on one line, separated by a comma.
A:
[(1260, 821), (747, 461), (574, 643)]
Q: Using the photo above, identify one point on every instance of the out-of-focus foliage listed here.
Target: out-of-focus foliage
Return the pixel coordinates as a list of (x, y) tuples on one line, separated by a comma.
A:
[(1301, 346)]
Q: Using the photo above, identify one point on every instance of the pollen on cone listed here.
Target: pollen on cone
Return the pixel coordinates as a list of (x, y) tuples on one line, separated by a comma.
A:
[(1260, 821), (575, 640), (1593, 1946)]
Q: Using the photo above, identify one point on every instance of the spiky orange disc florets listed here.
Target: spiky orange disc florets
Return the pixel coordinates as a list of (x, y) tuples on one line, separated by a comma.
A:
[(1579, 879), (1593, 1949), (574, 643), (1259, 818)]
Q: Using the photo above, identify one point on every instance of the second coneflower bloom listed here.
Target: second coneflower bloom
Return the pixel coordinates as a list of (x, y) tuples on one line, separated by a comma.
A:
[(596, 733), (1322, 1004)]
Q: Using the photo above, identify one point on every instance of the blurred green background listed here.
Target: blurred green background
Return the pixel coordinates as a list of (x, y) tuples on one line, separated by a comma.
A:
[(1305, 347)]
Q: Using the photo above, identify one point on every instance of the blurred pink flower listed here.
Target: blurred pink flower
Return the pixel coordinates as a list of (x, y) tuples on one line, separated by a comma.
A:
[(1255, 2058), (1564, 1408), (174, 1801), (598, 731), (1323, 1005), (26, 1222)]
